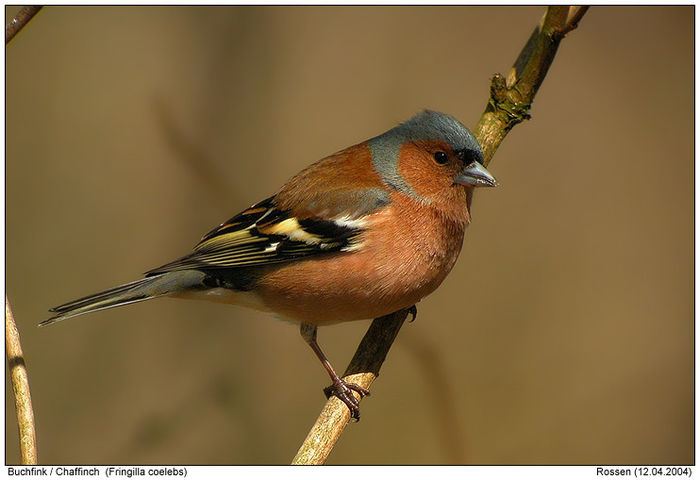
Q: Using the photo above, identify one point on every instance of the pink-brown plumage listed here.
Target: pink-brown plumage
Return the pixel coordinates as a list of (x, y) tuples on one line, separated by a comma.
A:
[(405, 251), (362, 233), (404, 255)]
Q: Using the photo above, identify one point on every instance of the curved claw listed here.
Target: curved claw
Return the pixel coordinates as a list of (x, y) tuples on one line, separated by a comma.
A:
[(413, 311), (343, 390)]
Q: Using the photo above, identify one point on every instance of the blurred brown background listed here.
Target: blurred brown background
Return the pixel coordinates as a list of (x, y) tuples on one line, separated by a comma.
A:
[(563, 335)]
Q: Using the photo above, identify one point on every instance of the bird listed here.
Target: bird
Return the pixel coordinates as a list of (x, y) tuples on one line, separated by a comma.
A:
[(362, 233)]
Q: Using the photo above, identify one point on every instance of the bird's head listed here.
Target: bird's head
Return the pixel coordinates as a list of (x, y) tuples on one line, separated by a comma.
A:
[(429, 157)]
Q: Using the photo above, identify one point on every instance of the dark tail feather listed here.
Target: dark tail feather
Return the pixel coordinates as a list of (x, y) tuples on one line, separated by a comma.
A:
[(144, 289)]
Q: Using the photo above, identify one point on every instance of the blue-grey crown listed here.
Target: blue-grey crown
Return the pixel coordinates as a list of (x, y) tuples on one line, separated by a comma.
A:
[(432, 125), (427, 125)]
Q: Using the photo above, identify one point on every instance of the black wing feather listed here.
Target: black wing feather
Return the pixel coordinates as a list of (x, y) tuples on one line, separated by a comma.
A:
[(263, 234)]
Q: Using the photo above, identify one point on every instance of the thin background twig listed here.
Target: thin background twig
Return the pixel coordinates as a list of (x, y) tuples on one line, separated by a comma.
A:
[(13, 346), (509, 104), (20, 387), (20, 20)]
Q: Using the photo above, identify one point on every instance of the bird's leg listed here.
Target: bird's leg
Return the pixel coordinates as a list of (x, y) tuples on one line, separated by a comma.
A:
[(340, 388)]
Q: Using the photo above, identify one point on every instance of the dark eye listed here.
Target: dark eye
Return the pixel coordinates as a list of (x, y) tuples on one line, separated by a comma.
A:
[(440, 157)]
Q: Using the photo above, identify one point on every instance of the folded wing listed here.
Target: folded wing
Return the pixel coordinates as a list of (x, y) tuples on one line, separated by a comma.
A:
[(264, 234)]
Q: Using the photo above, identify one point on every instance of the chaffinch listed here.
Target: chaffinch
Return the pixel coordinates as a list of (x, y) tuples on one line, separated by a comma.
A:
[(363, 233)]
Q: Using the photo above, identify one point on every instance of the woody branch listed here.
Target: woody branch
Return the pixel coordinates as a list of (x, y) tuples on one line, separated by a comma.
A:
[(20, 388), (509, 104), (19, 21)]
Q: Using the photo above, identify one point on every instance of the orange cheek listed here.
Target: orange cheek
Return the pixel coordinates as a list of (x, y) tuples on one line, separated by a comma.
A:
[(417, 167)]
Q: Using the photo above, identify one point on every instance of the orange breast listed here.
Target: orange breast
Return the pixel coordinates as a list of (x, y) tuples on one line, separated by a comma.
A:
[(406, 252)]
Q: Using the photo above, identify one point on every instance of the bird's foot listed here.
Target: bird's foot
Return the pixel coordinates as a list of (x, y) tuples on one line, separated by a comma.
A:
[(343, 390), (413, 311)]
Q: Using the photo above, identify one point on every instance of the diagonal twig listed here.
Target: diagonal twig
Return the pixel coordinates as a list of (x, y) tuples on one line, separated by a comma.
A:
[(19, 21), (509, 104), (510, 98), (575, 16), (363, 370), (20, 387)]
